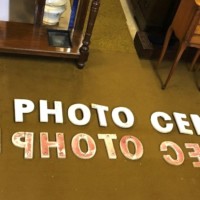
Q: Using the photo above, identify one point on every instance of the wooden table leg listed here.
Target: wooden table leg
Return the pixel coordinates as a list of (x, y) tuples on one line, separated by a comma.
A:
[(84, 50), (179, 54), (195, 60), (165, 45)]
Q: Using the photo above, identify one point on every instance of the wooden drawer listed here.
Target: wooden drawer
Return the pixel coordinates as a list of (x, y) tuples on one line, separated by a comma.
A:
[(197, 30), (195, 39)]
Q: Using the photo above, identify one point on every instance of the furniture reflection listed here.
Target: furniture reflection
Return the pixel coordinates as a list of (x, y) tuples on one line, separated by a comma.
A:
[(32, 39), (186, 27)]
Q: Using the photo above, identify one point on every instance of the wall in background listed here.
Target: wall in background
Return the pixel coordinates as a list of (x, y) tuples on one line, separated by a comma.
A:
[(4, 14), (22, 10)]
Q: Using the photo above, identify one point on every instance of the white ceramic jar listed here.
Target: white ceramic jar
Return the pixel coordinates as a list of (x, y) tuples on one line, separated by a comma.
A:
[(56, 2), (52, 14)]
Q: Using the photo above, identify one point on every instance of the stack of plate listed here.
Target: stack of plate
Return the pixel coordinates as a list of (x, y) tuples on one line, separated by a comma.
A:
[(53, 11)]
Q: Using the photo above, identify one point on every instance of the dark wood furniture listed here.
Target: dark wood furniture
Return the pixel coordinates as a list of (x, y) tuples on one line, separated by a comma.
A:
[(186, 27), (154, 15), (153, 18), (32, 39)]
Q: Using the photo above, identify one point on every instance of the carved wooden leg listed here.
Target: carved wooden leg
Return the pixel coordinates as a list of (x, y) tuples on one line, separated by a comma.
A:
[(84, 50), (165, 45), (195, 60), (179, 54)]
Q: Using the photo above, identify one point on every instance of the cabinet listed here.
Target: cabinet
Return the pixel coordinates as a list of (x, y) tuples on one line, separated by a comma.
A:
[(154, 15), (32, 39)]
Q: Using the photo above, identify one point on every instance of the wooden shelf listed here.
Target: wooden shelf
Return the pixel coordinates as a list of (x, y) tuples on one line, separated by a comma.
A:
[(32, 39), (22, 38)]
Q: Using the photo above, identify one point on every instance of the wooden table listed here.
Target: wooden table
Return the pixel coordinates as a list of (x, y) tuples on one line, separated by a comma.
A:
[(32, 39), (186, 27)]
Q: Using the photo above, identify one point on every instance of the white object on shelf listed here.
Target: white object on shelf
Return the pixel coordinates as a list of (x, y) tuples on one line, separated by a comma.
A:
[(52, 14), (56, 2)]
